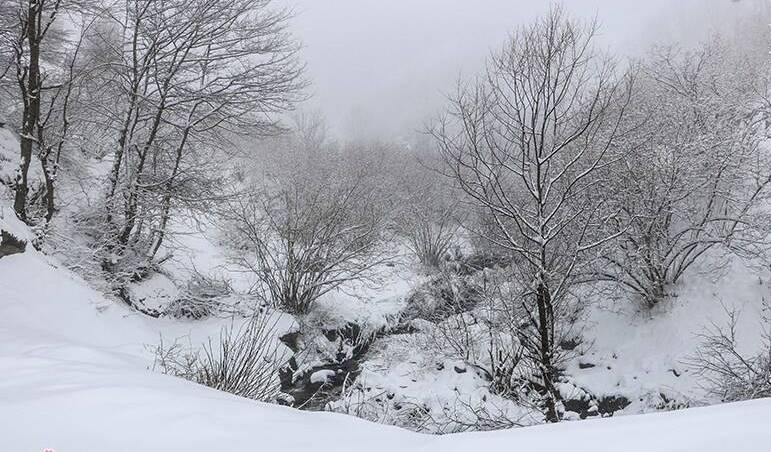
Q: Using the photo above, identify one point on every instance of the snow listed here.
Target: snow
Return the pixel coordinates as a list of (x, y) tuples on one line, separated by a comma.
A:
[(628, 353), (642, 354), (9, 154), (90, 398), (77, 376), (738, 426), (322, 376)]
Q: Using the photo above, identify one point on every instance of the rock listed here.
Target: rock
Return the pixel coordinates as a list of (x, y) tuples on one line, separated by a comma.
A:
[(284, 399), (291, 340), (570, 344), (10, 244), (611, 404), (319, 381)]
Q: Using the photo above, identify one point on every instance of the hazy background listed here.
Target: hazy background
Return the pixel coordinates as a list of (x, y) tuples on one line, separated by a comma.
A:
[(380, 68)]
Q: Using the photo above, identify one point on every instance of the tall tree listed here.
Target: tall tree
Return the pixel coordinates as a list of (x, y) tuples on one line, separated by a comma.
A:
[(529, 144), (41, 62)]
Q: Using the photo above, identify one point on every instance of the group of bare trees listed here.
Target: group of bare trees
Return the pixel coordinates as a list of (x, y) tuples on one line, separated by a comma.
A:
[(583, 170), (188, 76), (158, 91), (695, 169), (38, 78)]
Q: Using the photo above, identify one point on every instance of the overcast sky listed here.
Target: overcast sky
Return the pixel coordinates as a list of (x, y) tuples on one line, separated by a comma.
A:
[(380, 68)]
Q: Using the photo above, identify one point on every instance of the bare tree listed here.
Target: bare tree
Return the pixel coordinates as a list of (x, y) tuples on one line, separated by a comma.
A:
[(8, 37), (430, 217), (530, 144), (55, 128), (315, 221), (695, 171)]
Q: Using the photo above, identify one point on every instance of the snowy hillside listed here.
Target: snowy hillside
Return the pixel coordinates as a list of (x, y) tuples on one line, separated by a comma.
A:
[(75, 378)]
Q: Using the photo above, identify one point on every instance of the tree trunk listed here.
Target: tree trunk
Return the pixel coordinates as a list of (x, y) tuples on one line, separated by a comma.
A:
[(49, 194), (31, 113), (545, 320)]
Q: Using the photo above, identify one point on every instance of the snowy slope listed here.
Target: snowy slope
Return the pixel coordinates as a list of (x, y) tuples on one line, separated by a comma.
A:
[(644, 354), (75, 379)]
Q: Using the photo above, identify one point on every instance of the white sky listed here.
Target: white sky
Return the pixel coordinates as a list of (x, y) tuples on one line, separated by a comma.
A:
[(380, 68)]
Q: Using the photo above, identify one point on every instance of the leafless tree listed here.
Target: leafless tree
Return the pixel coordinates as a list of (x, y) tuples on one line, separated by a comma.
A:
[(695, 170), (8, 37), (313, 222), (59, 112), (430, 212), (530, 144)]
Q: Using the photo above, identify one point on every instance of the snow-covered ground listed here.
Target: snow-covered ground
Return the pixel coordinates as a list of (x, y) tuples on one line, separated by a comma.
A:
[(76, 378), (645, 355)]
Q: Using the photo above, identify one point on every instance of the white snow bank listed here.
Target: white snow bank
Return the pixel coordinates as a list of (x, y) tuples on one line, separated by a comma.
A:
[(739, 426), (77, 399)]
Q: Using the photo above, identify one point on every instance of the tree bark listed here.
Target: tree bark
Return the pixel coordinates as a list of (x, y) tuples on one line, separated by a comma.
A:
[(31, 113), (545, 320)]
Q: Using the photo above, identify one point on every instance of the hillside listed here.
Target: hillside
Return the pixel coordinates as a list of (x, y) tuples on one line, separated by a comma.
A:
[(75, 378)]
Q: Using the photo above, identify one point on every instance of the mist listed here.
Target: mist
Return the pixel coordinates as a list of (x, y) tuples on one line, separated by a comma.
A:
[(381, 69)]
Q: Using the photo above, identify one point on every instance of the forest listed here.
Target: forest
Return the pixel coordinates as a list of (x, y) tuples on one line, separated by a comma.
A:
[(572, 234)]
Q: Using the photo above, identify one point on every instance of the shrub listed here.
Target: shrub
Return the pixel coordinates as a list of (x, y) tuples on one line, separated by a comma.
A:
[(201, 298), (729, 373), (244, 361), (444, 295)]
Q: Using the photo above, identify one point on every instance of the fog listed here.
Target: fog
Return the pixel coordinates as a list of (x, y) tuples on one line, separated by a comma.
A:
[(380, 68)]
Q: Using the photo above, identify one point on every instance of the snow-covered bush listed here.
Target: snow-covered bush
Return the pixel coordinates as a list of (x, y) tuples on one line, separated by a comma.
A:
[(244, 360), (379, 406), (443, 295), (494, 351), (479, 411), (730, 373), (430, 212), (10, 244), (200, 298)]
